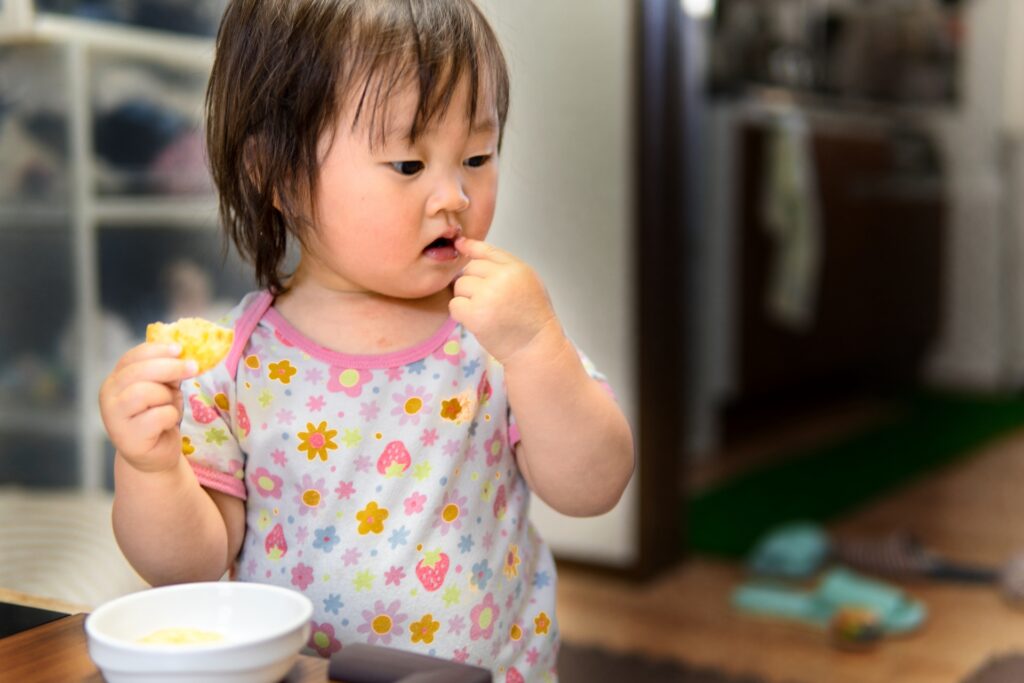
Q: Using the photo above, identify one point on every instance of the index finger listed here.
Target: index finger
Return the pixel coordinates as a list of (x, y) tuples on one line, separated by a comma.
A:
[(478, 249), (147, 351)]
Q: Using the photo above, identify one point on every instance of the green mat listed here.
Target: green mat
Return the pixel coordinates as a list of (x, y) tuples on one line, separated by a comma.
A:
[(820, 483)]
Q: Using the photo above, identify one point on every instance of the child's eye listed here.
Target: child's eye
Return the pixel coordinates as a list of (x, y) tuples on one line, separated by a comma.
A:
[(407, 167), (478, 161)]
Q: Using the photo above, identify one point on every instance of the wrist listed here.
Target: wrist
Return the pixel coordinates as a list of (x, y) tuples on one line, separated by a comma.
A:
[(548, 345)]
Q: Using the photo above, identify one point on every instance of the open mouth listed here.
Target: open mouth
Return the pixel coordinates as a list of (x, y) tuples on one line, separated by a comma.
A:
[(441, 249)]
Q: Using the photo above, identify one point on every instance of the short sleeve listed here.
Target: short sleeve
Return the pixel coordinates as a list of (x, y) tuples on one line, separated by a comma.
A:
[(589, 367), (208, 432)]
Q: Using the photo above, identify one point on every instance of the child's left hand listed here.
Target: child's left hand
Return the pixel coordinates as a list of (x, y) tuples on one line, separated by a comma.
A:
[(501, 300)]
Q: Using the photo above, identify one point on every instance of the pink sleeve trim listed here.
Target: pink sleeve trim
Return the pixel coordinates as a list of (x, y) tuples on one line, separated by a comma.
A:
[(244, 327), (219, 481), (513, 435)]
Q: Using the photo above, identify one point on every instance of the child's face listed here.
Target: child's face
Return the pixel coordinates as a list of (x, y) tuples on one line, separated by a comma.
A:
[(387, 215)]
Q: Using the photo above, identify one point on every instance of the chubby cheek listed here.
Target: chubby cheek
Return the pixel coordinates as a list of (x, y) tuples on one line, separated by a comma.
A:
[(481, 215)]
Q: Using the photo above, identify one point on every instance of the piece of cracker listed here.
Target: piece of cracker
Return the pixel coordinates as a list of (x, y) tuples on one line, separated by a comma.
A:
[(200, 340)]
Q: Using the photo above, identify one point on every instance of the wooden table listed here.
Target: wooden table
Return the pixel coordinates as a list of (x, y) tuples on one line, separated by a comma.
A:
[(56, 652)]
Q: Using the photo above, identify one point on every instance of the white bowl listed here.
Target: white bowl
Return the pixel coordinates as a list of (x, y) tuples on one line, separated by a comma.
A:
[(263, 628)]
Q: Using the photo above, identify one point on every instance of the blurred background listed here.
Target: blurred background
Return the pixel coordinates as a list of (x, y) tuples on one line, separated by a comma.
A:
[(790, 231)]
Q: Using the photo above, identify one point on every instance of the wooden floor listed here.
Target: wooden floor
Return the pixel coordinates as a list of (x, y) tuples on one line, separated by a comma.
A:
[(972, 511)]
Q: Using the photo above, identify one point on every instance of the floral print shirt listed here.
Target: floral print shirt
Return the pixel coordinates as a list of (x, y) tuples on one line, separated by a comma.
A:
[(385, 488)]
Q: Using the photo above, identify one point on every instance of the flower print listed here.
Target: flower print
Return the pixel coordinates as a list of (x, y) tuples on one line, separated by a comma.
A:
[(488, 541), (285, 416), (461, 655), (302, 576), (301, 534), (265, 398), (344, 489), (394, 374), (541, 624), (451, 448), (363, 581), (266, 484), (414, 503), (351, 557), (332, 603), (483, 618), (282, 371), (494, 447), (428, 437), (186, 446), (452, 596), (264, 520), (326, 539), (532, 656), (316, 441), (371, 518), (449, 514), (512, 561), (315, 403), (313, 375), (348, 380), (423, 631), (369, 410), (399, 537), (279, 457), (466, 543), (487, 490), (422, 470), (451, 350), (394, 576), (310, 495), (363, 464), (456, 624), (410, 403), (418, 367), (215, 435), (321, 639), (459, 409), (470, 368), (352, 437), (481, 574), (382, 623), (541, 579)]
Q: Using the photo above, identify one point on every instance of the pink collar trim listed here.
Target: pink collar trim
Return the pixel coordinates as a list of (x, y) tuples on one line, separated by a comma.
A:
[(289, 335)]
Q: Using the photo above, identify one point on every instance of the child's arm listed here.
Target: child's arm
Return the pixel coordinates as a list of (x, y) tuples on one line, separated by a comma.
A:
[(169, 528), (576, 448)]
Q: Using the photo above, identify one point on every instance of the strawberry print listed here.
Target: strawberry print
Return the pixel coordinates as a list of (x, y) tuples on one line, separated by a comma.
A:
[(243, 418), (395, 460), (275, 544), (513, 676), (500, 503), (202, 412), (432, 569)]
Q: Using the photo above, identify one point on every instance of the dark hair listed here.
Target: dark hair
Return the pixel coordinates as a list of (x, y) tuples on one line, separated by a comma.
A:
[(283, 71)]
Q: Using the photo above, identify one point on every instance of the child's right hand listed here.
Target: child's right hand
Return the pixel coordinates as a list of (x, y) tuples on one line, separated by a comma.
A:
[(141, 405)]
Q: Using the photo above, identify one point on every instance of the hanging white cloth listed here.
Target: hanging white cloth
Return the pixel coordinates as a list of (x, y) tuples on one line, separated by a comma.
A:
[(791, 214)]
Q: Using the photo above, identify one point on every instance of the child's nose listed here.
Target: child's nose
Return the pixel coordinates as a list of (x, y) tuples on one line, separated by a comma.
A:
[(450, 196)]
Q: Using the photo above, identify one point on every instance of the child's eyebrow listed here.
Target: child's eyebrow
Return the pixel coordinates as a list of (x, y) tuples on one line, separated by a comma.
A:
[(485, 126)]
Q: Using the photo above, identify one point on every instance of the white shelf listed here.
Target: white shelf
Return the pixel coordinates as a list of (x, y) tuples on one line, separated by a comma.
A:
[(162, 211), (86, 45), (185, 51)]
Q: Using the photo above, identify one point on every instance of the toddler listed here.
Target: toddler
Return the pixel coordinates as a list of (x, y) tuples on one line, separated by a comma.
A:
[(392, 401)]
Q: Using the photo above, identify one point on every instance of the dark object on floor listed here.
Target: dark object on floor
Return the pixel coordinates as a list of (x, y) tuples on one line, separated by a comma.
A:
[(821, 483), (580, 664), (18, 618), (1006, 669), (359, 663)]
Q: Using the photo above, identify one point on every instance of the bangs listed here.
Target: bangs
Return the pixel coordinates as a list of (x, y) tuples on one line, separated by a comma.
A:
[(430, 47)]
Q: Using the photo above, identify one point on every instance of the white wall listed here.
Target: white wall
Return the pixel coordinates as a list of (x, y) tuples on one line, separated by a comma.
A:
[(565, 204)]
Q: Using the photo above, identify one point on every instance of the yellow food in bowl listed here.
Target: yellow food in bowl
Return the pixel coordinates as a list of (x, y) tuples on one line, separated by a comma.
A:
[(200, 340), (181, 636)]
